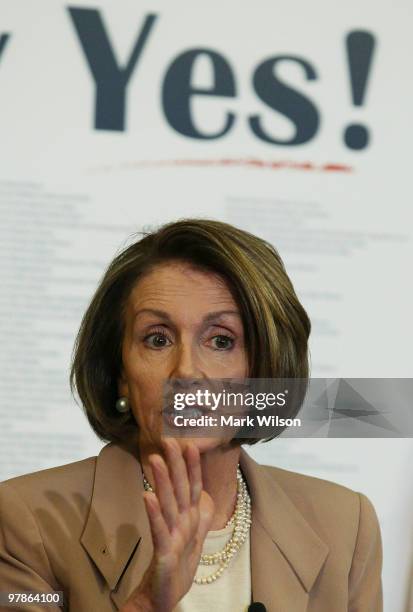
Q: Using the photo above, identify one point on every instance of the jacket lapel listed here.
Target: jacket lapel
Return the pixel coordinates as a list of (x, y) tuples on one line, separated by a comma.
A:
[(286, 554), (117, 534)]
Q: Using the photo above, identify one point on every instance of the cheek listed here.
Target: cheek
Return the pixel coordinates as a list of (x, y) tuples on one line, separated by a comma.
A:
[(235, 363), (146, 400), (140, 370), (146, 386), (146, 391)]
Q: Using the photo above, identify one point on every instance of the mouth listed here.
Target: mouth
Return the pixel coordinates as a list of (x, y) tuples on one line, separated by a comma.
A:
[(186, 411), (192, 412), (189, 412)]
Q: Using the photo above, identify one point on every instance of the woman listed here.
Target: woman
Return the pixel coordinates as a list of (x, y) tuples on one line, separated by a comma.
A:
[(145, 525)]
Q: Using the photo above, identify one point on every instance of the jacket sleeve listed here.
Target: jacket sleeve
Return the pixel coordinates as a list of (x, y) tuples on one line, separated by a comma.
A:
[(365, 587), (24, 565)]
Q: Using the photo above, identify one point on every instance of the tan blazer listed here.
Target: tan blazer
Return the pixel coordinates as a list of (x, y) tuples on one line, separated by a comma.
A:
[(82, 528)]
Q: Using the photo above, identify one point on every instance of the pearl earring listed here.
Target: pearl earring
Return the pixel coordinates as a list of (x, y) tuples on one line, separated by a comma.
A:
[(122, 404)]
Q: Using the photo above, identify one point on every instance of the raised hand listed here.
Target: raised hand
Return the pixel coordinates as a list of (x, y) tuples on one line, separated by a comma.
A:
[(180, 513)]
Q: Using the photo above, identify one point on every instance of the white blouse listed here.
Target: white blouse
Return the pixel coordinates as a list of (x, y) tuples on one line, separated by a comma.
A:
[(232, 591)]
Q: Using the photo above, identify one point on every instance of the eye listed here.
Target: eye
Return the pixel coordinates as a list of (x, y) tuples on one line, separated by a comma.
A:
[(156, 340), (223, 342)]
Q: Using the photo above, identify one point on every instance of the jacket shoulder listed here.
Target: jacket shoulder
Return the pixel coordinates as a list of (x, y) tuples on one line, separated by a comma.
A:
[(301, 486), (326, 504), (63, 480)]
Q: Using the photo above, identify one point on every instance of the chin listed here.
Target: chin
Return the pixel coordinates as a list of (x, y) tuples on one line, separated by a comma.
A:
[(204, 445)]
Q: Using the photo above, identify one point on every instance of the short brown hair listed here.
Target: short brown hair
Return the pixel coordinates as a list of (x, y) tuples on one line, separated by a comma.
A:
[(277, 326)]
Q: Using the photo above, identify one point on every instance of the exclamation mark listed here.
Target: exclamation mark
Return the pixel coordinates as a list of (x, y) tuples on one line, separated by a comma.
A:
[(360, 47), (3, 40)]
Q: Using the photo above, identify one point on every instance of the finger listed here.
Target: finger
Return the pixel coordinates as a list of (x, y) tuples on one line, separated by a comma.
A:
[(193, 464), (159, 529), (178, 472), (164, 490)]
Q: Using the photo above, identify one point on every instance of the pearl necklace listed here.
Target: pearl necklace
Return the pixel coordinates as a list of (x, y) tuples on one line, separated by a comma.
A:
[(241, 519)]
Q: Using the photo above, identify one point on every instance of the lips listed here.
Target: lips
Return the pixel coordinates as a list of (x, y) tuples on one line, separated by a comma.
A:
[(188, 411), (192, 412)]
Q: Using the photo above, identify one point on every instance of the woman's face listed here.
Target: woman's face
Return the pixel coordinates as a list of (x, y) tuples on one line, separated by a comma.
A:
[(181, 323)]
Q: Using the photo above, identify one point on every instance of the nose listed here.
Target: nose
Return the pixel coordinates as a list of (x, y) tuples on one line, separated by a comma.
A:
[(186, 364)]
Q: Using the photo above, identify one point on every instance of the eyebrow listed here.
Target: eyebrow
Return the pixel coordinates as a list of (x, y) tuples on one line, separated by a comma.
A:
[(164, 315)]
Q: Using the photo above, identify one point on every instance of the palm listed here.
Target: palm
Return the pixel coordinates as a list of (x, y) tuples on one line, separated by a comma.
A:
[(177, 567), (180, 513)]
